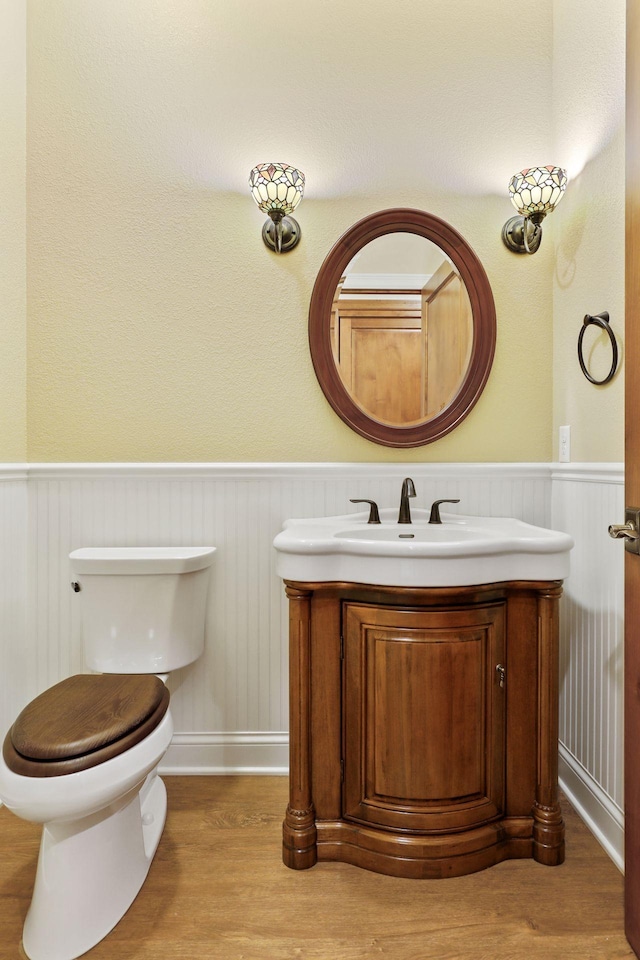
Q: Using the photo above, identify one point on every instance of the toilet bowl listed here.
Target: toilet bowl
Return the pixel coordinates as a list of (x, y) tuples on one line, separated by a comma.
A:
[(101, 830), (82, 757)]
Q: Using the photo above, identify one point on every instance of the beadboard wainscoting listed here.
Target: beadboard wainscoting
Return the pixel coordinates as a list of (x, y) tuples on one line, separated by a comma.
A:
[(17, 677), (231, 708), (586, 498)]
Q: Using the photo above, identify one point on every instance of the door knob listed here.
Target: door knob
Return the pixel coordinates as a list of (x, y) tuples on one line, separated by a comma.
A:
[(619, 530), (629, 531)]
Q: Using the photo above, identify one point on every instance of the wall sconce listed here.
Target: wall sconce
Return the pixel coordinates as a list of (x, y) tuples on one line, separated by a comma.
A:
[(277, 188), (534, 193)]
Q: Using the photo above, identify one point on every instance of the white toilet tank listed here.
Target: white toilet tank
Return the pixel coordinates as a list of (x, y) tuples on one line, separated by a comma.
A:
[(143, 608)]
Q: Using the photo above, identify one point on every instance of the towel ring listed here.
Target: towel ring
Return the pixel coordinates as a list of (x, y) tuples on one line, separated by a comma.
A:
[(599, 320)]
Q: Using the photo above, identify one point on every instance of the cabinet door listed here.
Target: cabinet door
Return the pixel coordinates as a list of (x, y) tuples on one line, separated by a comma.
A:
[(381, 357), (448, 321), (423, 716)]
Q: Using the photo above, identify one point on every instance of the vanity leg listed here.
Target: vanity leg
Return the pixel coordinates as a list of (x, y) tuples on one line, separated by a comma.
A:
[(299, 834), (548, 826)]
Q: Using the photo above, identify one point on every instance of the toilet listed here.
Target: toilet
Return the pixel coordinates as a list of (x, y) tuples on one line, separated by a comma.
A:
[(82, 757)]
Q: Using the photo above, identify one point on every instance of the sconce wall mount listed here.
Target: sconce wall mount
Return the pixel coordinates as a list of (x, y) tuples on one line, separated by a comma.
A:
[(278, 188), (534, 192)]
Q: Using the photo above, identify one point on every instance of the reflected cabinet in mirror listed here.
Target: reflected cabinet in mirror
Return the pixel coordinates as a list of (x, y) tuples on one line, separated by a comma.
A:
[(402, 327)]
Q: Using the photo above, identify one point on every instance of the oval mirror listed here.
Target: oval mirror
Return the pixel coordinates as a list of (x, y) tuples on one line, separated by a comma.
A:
[(402, 327)]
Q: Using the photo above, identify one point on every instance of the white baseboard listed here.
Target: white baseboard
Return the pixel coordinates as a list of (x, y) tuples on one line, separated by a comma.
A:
[(245, 753), (604, 818)]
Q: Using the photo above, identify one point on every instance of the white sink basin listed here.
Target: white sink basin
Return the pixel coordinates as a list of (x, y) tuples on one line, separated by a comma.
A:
[(461, 551)]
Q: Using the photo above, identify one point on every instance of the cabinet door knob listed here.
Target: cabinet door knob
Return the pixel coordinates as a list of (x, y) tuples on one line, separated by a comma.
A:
[(502, 674)]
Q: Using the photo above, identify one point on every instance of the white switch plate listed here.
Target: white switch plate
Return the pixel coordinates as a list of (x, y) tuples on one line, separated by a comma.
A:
[(565, 444)]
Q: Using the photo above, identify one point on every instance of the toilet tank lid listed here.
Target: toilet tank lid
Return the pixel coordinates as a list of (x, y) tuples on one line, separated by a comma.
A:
[(132, 560)]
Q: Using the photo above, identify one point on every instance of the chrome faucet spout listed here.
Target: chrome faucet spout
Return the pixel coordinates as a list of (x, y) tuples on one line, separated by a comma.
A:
[(408, 490)]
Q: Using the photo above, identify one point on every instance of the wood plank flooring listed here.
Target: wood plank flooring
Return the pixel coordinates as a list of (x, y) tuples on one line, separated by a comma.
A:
[(218, 890)]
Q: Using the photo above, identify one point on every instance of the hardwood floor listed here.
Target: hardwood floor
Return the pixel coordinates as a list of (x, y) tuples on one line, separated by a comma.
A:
[(218, 890)]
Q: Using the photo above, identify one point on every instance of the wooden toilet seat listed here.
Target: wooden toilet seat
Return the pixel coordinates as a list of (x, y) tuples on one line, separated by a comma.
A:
[(83, 721)]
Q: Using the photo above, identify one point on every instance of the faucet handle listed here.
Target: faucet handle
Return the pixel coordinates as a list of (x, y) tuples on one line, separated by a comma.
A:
[(374, 516), (435, 510)]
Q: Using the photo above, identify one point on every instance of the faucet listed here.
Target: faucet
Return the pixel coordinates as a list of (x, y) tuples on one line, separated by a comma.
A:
[(408, 490)]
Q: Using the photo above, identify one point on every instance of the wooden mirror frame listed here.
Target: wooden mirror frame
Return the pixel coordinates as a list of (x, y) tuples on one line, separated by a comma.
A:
[(454, 246)]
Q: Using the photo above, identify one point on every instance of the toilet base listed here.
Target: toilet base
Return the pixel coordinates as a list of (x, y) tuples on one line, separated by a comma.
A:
[(90, 872)]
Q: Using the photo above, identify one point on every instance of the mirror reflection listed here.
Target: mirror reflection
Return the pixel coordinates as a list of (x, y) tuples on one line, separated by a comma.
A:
[(401, 329)]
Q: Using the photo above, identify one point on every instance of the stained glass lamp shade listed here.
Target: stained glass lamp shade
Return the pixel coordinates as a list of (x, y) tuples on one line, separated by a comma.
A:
[(277, 188), (534, 192)]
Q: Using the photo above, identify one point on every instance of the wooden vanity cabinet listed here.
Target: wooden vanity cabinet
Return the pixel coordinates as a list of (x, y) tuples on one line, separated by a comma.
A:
[(423, 738)]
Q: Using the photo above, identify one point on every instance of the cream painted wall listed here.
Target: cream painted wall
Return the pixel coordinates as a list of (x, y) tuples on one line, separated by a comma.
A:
[(13, 369), (588, 97), (160, 327)]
